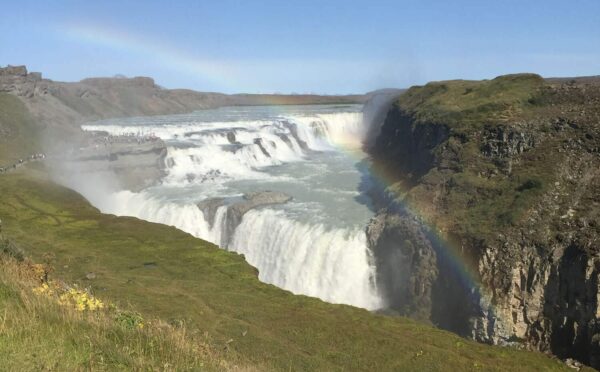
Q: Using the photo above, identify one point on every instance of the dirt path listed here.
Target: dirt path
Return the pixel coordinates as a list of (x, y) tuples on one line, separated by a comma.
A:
[(21, 162)]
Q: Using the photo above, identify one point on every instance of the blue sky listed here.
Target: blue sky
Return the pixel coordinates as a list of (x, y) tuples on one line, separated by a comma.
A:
[(301, 46)]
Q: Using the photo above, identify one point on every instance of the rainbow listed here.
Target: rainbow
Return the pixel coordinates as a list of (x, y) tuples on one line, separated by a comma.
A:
[(219, 73), (448, 250), (222, 74)]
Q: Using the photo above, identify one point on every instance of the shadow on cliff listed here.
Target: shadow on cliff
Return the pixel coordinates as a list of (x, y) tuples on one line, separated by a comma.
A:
[(370, 187), (455, 297), (418, 274), (571, 300)]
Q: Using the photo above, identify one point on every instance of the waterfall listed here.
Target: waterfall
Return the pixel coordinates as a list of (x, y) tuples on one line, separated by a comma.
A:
[(332, 264), (305, 256)]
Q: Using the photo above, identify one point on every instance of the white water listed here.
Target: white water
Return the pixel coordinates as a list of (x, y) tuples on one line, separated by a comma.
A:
[(313, 245), (309, 259)]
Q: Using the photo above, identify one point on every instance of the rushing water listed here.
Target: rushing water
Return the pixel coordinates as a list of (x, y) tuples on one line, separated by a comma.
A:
[(314, 244)]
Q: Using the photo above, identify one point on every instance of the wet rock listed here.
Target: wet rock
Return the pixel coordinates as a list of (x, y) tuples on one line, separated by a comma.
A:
[(134, 164), (209, 208), (406, 264), (237, 207), (375, 110), (294, 132), (407, 148), (231, 137), (259, 142), (236, 211), (285, 139)]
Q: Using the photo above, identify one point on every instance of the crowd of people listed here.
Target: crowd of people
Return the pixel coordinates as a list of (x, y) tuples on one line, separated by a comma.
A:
[(110, 139), (30, 158)]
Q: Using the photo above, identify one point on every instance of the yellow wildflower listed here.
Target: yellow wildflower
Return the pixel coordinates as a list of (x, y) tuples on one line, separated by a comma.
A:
[(44, 289), (80, 300)]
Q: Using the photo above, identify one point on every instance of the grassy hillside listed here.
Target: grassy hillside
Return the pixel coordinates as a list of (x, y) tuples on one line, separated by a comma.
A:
[(464, 104), (483, 191), (18, 133), (165, 273), (41, 328)]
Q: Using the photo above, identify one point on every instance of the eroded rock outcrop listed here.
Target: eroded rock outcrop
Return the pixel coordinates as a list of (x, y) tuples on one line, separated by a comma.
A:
[(236, 208), (16, 80), (504, 144)]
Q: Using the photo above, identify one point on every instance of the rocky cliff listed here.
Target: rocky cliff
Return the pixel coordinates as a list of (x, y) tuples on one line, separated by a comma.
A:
[(489, 223)]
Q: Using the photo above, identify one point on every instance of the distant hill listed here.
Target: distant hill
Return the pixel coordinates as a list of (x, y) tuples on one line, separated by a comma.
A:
[(61, 107)]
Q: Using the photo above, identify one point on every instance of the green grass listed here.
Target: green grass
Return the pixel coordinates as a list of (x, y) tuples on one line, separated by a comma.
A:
[(463, 104), (38, 333), (474, 204), (214, 293)]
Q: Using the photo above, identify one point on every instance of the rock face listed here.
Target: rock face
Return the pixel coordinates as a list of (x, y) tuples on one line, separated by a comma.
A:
[(16, 71), (490, 224), (16, 80), (406, 263), (505, 144), (209, 208), (410, 142)]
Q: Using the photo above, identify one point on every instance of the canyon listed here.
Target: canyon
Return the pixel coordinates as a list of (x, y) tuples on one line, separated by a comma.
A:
[(484, 195)]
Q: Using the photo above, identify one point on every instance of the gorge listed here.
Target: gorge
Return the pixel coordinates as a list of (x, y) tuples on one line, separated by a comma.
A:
[(479, 216), (278, 184), (469, 205)]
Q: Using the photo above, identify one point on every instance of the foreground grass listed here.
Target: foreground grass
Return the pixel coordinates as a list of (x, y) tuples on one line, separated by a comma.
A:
[(166, 274), (37, 332)]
